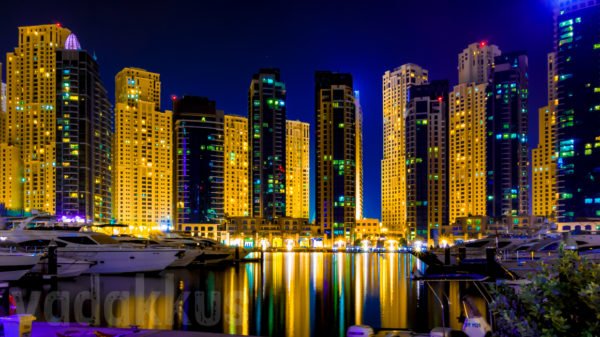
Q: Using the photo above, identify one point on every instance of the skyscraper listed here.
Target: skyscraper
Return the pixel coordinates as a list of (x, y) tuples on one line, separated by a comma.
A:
[(467, 155), (143, 159), (236, 168), (266, 131), (467, 131), (578, 130), (543, 172), (544, 166), (297, 169), (359, 157), (3, 131), (336, 154), (84, 131), (476, 62), (393, 166), (31, 110), (426, 162), (11, 186), (507, 144), (198, 136)]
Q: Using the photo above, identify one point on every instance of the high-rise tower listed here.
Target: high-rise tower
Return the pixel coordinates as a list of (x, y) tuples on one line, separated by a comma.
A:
[(467, 155), (426, 161), (336, 155), (476, 62), (467, 131), (359, 158), (297, 169), (31, 110), (507, 148), (198, 136), (84, 131), (578, 130), (396, 84), (236, 168), (143, 160), (266, 131), (543, 172)]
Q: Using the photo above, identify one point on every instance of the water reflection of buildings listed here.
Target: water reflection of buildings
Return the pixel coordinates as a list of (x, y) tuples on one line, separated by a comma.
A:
[(291, 294)]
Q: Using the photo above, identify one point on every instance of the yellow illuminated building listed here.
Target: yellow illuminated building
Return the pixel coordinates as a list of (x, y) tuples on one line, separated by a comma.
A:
[(31, 110), (544, 188), (393, 166), (236, 172), (297, 168), (143, 177), (11, 193), (467, 159)]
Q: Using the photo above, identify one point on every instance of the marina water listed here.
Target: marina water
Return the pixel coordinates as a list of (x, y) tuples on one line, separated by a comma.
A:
[(289, 294)]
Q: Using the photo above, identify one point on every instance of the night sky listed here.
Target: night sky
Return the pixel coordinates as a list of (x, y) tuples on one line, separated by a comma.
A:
[(212, 48)]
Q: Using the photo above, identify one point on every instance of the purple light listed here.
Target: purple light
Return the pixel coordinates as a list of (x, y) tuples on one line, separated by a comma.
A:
[(75, 219), (72, 43)]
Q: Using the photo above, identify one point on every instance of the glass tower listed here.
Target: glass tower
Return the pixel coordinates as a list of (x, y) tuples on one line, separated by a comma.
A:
[(198, 171), (266, 135), (578, 130)]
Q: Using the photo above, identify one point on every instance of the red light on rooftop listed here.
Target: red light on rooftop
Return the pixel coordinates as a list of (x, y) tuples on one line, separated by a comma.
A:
[(58, 24), (440, 98), (482, 44), (173, 97)]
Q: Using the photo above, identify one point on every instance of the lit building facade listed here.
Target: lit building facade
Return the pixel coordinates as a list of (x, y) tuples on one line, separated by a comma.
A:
[(11, 186), (393, 166), (507, 143), (543, 172), (426, 162), (236, 168), (467, 151), (367, 228), (266, 131), (198, 136), (84, 131), (297, 169), (578, 94), (336, 155), (2, 109), (31, 110), (359, 158), (143, 158)]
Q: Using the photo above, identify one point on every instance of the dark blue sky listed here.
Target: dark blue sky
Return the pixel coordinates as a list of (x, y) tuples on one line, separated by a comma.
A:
[(212, 48)]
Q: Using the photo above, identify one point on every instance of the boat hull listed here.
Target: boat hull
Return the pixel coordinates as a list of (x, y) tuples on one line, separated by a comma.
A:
[(66, 267), (14, 266), (123, 260)]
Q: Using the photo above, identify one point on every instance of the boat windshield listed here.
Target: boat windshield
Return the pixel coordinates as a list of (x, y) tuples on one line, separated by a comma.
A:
[(104, 239)]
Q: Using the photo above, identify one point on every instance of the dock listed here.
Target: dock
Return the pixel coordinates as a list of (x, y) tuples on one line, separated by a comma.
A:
[(40, 329)]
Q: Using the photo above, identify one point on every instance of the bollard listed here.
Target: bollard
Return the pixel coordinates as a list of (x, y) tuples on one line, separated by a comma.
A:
[(52, 259), (490, 259), (490, 255), (462, 253), (447, 256)]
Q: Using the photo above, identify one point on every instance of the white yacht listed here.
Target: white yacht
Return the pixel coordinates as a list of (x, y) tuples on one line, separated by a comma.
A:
[(191, 251), (14, 264), (107, 254), (66, 267), (529, 257), (212, 251)]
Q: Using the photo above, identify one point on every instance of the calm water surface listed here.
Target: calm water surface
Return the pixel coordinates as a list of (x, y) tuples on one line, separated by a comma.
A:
[(291, 294)]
